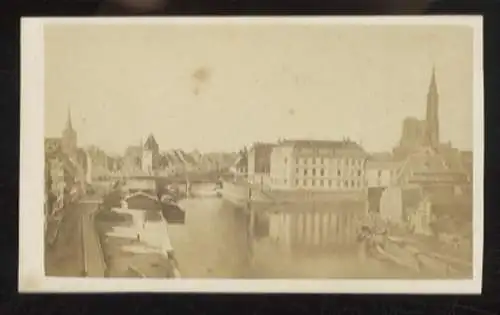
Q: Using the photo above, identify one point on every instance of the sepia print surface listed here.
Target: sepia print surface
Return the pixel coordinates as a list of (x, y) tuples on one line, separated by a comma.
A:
[(254, 150)]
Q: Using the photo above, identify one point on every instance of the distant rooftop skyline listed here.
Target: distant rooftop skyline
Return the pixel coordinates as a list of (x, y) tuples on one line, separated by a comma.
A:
[(219, 88)]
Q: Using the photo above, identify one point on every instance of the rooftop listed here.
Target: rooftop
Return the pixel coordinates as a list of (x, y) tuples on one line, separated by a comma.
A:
[(262, 145), (133, 150), (329, 145)]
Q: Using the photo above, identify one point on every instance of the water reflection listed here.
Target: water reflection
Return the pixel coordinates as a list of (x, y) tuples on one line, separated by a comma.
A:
[(213, 243)]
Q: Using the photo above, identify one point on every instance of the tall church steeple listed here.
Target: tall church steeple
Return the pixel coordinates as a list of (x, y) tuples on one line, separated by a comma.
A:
[(432, 119), (69, 137), (69, 124)]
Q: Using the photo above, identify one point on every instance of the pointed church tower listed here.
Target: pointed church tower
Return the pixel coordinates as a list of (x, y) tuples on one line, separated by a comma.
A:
[(432, 119), (69, 137), (69, 124)]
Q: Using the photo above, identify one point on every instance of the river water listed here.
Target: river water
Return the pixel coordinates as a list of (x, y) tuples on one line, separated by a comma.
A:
[(212, 244)]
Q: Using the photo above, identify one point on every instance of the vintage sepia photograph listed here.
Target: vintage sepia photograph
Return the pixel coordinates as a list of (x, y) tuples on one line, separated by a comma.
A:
[(255, 154)]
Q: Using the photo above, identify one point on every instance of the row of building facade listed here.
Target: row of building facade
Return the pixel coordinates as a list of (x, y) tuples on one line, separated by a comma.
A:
[(65, 170), (69, 169), (147, 159), (345, 166)]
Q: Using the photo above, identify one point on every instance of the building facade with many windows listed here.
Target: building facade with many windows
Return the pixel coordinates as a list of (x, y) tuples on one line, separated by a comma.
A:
[(318, 165)]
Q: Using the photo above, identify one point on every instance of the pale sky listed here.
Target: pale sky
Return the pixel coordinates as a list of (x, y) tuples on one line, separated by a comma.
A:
[(221, 87)]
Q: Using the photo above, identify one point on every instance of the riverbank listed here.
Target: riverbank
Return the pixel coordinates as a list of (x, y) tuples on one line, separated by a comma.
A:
[(127, 256)]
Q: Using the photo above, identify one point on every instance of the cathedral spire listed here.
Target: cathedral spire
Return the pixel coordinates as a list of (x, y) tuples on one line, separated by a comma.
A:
[(433, 84), (432, 120), (69, 124), (69, 137)]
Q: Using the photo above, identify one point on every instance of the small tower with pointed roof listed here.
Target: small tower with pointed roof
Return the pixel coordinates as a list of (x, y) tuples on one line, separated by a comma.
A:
[(69, 137)]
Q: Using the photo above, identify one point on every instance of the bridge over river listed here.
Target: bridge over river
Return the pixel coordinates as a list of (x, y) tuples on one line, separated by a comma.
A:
[(180, 178)]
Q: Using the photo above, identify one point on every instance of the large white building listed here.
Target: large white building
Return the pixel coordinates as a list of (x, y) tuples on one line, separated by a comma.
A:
[(318, 165)]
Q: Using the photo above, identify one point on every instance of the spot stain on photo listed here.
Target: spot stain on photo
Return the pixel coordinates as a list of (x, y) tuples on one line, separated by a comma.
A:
[(201, 76)]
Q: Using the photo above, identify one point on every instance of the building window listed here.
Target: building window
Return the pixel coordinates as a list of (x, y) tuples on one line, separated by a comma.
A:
[(305, 172), (322, 172), (286, 160), (313, 182), (297, 160), (346, 184), (286, 181), (321, 183), (296, 182), (314, 161), (304, 182), (314, 172), (338, 173), (379, 173), (352, 183), (297, 170), (359, 173), (330, 183), (322, 161)]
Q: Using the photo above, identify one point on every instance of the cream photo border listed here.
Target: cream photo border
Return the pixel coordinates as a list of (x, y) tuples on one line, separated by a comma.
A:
[(32, 277)]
